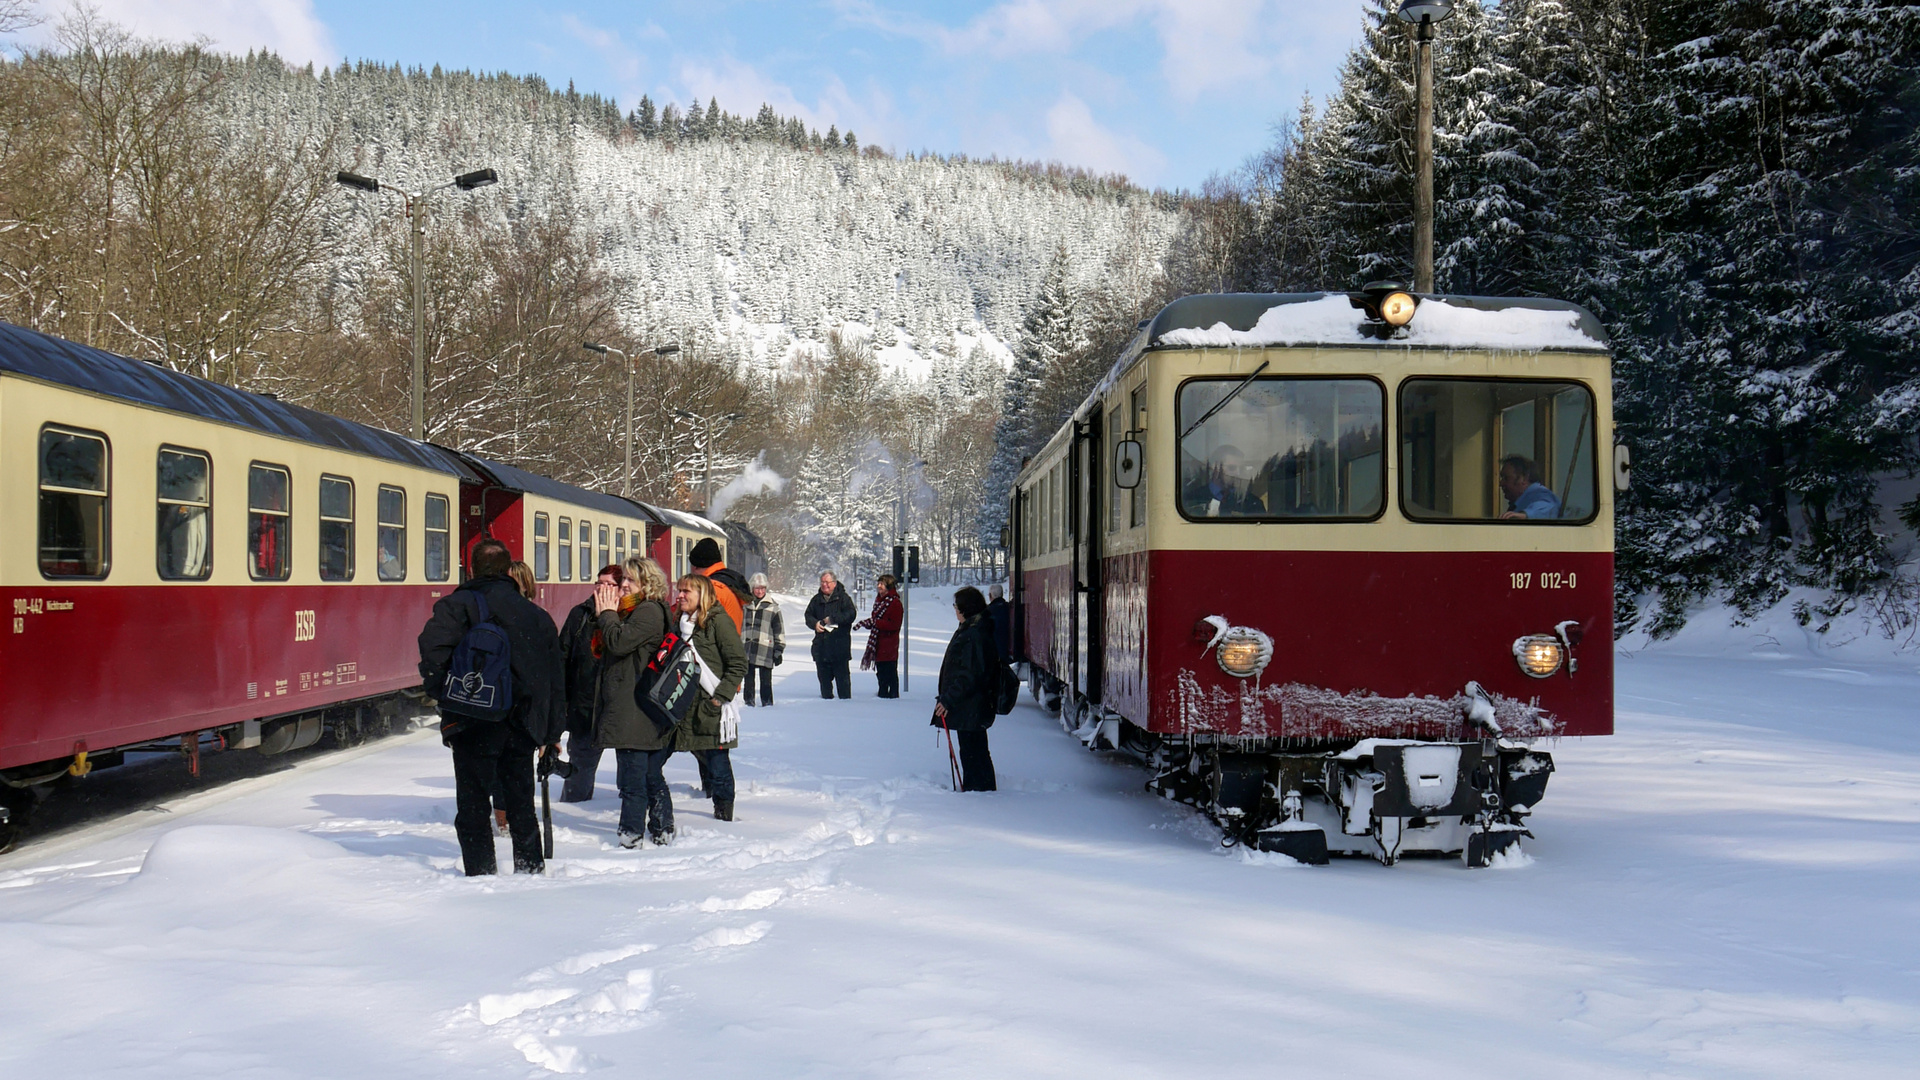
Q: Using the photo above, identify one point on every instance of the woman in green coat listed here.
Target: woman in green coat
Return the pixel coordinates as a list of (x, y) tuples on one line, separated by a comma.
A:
[(713, 727), (630, 620)]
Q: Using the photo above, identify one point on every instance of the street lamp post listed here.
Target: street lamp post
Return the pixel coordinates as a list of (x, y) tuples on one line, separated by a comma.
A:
[(416, 205), (1423, 15), (706, 452), (626, 483)]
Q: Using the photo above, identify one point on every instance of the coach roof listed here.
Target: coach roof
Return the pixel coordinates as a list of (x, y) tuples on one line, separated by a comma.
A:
[(53, 360), (1331, 320)]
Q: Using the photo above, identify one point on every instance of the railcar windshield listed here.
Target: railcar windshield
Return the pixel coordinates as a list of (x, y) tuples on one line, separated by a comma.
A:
[(1282, 449), (1519, 451)]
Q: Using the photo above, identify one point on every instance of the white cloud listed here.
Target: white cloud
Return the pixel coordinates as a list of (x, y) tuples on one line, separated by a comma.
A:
[(287, 27), (1076, 138), (742, 88), (624, 62)]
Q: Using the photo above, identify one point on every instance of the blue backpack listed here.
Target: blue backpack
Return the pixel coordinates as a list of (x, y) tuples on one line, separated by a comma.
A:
[(480, 673)]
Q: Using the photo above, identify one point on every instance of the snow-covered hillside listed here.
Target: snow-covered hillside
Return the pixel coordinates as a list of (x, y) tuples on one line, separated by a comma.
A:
[(1723, 888)]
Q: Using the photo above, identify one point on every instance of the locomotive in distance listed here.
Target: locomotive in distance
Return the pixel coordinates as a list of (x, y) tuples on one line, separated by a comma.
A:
[(189, 566), (1333, 565)]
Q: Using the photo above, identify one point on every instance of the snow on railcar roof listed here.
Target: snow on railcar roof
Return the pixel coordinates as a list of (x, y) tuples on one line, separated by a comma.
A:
[(1252, 320), (683, 519), (518, 479), (81, 367)]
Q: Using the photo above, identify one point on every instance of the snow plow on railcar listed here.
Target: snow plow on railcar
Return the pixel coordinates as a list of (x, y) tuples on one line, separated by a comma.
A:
[(1334, 566)]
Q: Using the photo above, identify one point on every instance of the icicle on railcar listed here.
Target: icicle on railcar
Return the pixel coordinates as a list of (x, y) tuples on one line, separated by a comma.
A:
[(1333, 565)]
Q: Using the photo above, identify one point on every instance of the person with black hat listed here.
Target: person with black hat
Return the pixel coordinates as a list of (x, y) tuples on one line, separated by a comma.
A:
[(968, 686), (734, 594)]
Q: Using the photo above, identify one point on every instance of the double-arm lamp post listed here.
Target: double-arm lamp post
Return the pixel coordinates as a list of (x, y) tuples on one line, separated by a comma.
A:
[(626, 481), (1422, 16), (706, 454), (417, 224)]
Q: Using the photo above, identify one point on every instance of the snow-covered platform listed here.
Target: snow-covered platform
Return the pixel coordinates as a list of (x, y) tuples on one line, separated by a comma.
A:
[(1726, 888)]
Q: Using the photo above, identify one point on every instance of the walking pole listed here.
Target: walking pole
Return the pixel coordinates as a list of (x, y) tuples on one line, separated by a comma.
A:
[(906, 637), (953, 759), (546, 803)]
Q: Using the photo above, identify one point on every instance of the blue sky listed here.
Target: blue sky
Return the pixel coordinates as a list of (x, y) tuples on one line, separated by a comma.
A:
[(1166, 91)]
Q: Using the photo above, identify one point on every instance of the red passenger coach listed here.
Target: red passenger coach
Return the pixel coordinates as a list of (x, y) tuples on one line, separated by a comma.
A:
[(1333, 564)]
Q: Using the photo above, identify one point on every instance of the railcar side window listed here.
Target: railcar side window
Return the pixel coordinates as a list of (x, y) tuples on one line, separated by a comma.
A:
[(73, 504), (391, 534), (679, 557), (620, 545), (566, 549), (1281, 449), (184, 537), (606, 549), (586, 550), (269, 523), (540, 527), (1115, 493), (1138, 401), (439, 538), (336, 529), (1497, 450)]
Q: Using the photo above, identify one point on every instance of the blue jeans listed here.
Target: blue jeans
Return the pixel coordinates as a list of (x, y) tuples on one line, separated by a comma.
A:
[(718, 765), (643, 791)]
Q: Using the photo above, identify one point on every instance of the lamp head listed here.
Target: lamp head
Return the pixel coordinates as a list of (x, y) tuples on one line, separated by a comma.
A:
[(356, 181), (666, 350), (478, 178), (1426, 11), (594, 346)]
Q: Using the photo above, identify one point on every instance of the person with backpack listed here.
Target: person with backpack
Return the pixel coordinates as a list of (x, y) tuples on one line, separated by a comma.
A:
[(630, 623), (713, 727), (970, 688), (883, 645), (582, 666), (735, 594), (765, 636), (492, 661)]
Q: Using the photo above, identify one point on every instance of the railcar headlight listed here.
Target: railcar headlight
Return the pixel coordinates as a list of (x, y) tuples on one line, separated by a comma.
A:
[(1396, 308), (1539, 655), (1243, 652)]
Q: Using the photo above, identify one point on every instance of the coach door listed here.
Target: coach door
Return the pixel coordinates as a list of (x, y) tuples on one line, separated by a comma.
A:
[(1085, 487)]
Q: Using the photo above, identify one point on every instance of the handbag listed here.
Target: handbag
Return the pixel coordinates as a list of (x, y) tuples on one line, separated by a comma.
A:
[(670, 697)]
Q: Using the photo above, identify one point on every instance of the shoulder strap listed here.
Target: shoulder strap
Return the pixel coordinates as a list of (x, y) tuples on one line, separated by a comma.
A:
[(481, 600)]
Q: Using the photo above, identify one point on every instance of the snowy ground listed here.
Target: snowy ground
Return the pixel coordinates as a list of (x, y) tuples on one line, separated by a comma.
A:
[(1726, 888)]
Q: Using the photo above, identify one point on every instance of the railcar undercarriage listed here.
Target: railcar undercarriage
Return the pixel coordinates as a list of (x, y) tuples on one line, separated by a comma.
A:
[(1310, 799)]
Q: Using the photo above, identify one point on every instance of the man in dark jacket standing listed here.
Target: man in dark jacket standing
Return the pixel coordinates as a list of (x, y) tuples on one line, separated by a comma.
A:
[(830, 616), (1000, 616), (583, 677), (489, 752), (968, 685)]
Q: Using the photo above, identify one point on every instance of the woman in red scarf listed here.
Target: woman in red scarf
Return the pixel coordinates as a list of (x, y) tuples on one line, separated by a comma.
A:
[(883, 645)]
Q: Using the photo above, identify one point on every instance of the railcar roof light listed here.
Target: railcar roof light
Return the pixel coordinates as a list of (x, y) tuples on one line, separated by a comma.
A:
[(1539, 655), (1396, 308)]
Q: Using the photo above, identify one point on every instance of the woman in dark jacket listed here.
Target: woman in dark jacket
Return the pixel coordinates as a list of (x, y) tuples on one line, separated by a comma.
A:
[(713, 727), (883, 645), (631, 622), (583, 689), (968, 683)]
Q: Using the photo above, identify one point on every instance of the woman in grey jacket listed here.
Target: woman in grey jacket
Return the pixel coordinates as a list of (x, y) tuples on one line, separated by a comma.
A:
[(713, 727), (631, 622)]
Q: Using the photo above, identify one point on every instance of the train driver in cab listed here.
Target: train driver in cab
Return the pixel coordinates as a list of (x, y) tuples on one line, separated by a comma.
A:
[(1225, 490), (1527, 497)]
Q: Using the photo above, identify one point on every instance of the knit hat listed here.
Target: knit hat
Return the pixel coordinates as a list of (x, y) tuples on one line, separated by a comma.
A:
[(704, 554), (758, 581)]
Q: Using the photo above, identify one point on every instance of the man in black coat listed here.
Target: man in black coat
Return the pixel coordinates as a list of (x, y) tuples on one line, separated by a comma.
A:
[(486, 752), (1000, 617), (583, 682), (969, 683), (830, 615)]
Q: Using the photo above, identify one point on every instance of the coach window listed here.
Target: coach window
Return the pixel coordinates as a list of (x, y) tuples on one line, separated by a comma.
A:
[(73, 504), (184, 537), (1511, 450), (586, 550), (336, 529), (566, 549), (1115, 493), (269, 523), (439, 538), (391, 534), (541, 525), (620, 545), (1282, 449)]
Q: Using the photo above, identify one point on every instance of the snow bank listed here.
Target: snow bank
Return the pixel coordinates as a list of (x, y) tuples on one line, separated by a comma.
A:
[(1437, 323)]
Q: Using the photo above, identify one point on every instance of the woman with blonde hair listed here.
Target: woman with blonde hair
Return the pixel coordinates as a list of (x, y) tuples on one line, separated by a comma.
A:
[(631, 621), (713, 727), (522, 576)]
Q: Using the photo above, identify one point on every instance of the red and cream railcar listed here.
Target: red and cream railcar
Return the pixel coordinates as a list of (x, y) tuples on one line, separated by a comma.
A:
[(1331, 569)]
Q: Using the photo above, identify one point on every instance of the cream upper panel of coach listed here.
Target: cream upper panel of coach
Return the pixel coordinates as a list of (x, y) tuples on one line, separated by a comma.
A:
[(1156, 381), (135, 436)]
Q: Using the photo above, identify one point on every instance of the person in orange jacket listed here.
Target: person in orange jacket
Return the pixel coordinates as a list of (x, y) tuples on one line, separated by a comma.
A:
[(735, 594)]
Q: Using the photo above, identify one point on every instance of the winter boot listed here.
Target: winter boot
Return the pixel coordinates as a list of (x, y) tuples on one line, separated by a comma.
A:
[(723, 809), (662, 839)]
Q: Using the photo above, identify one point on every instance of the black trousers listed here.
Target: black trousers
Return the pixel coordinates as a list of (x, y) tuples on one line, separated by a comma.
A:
[(492, 756), (766, 686), (976, 765), (888, 672), (586, 762), (834, 675)]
